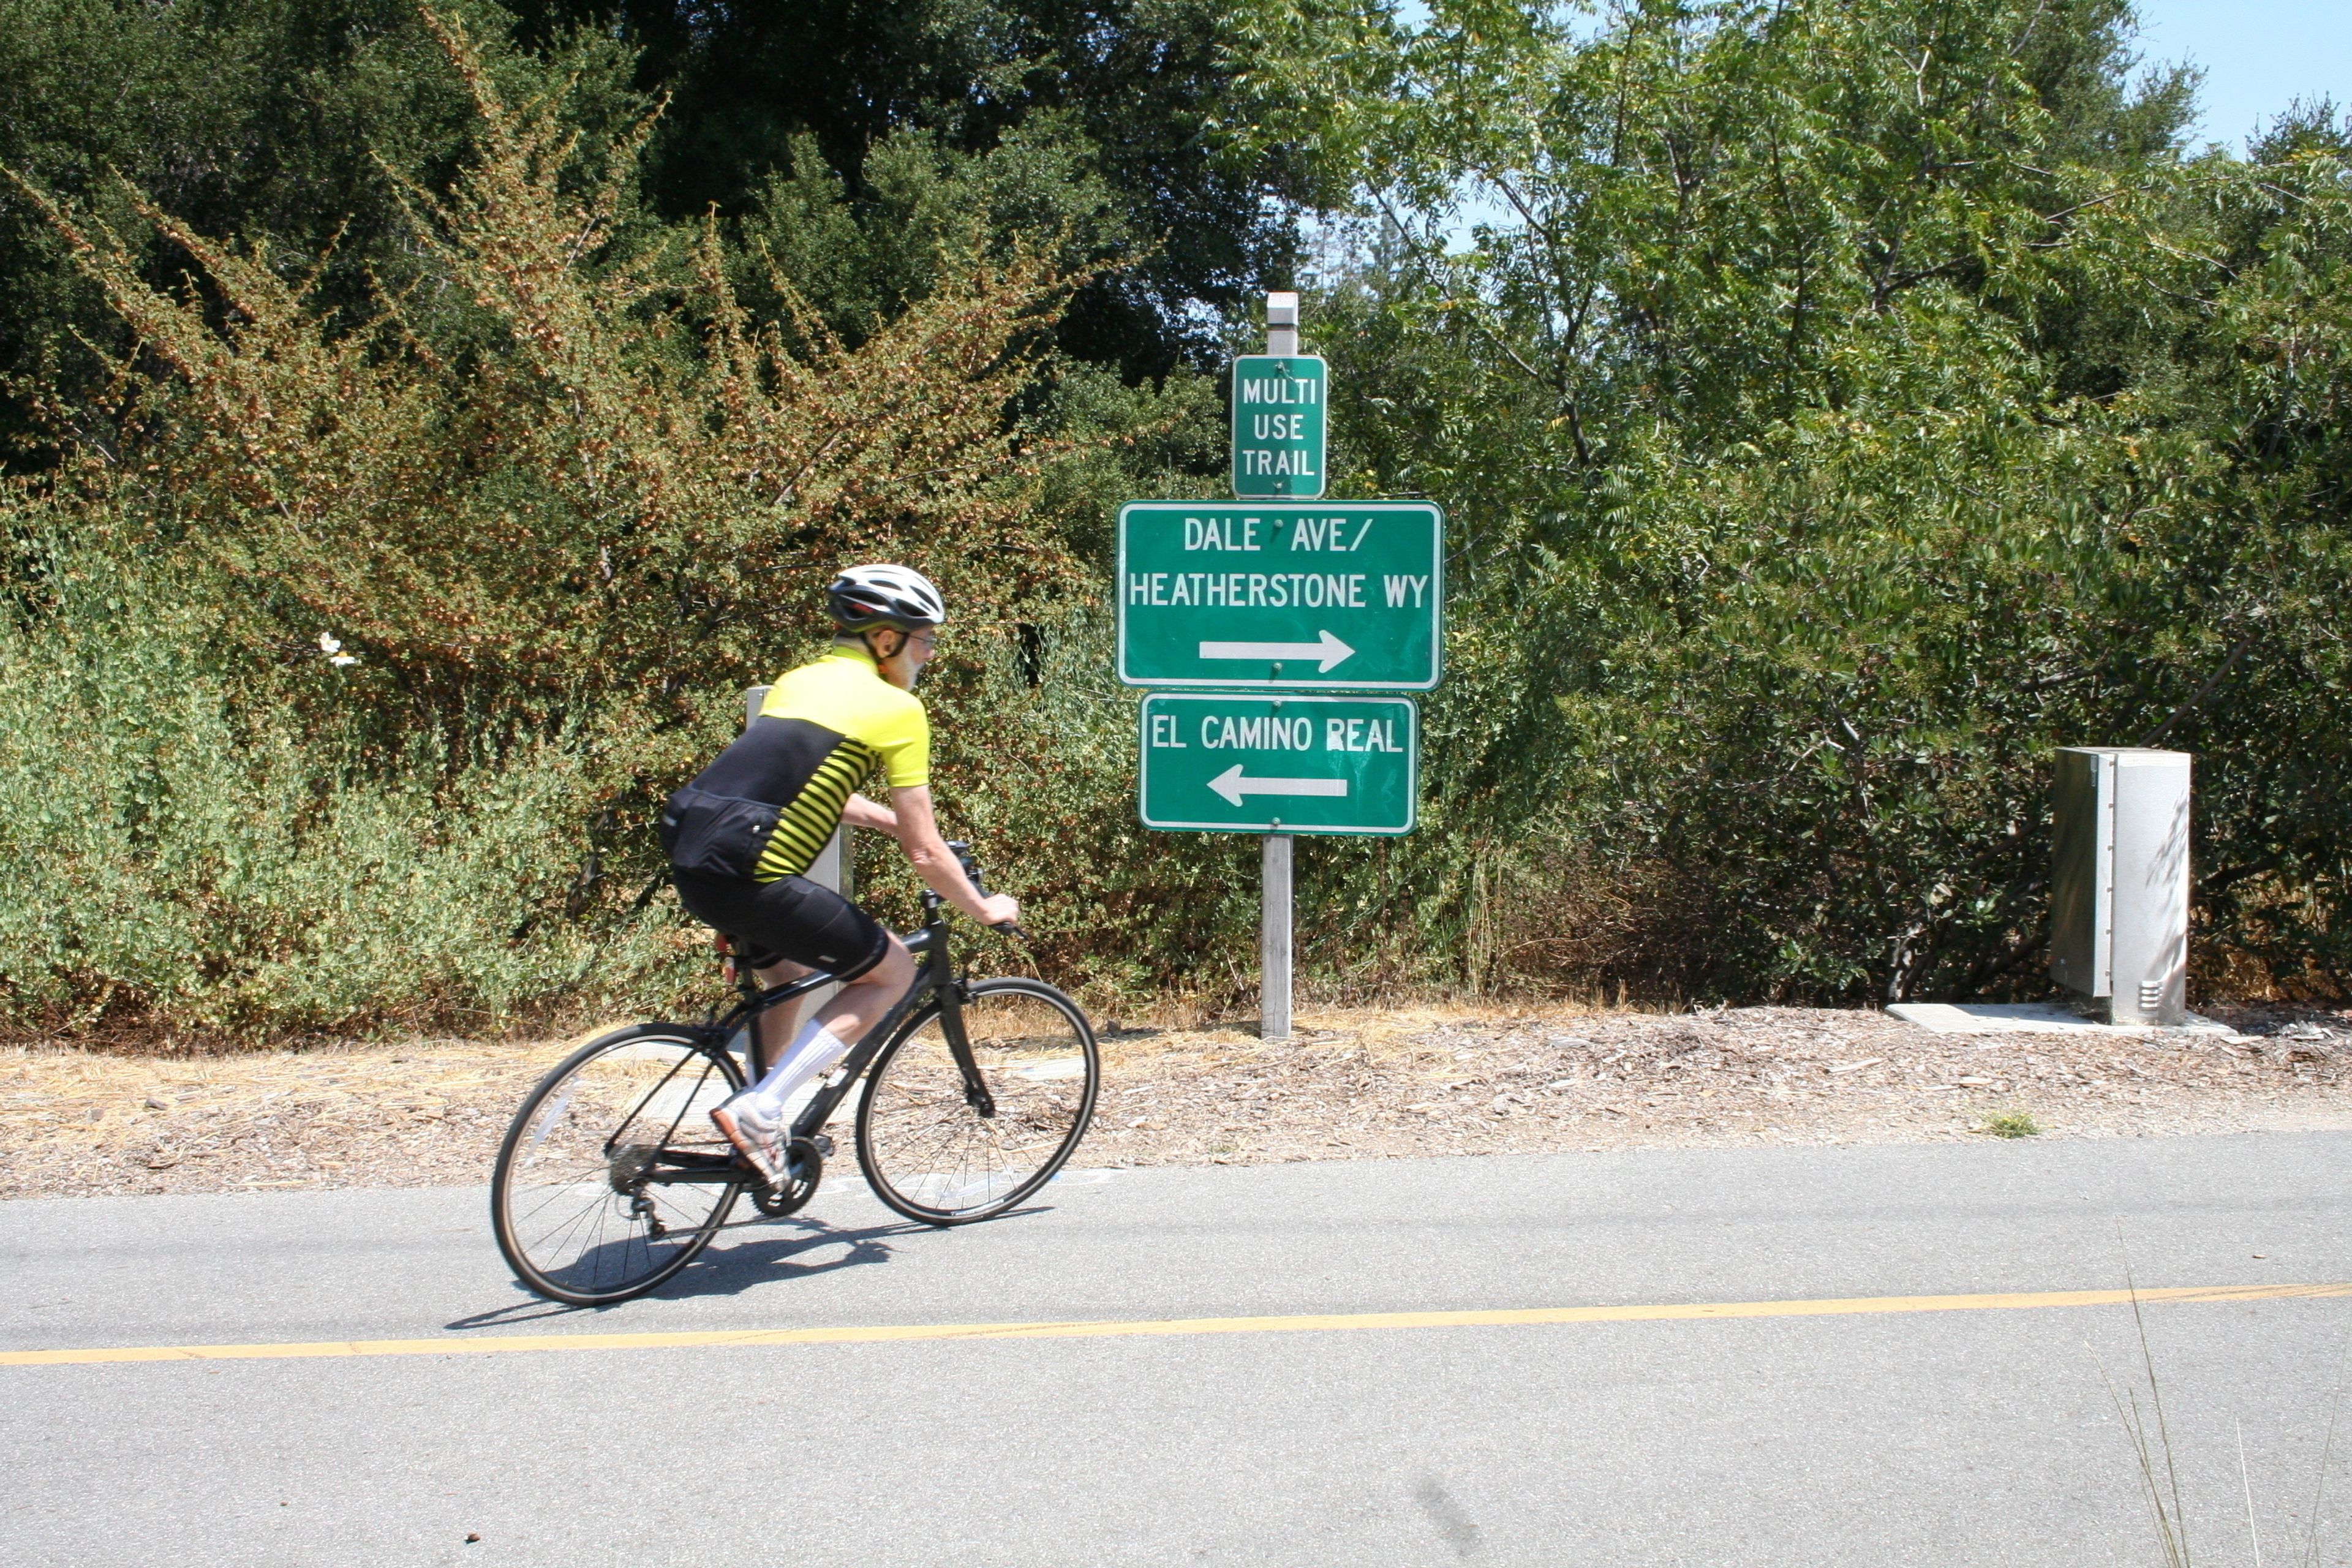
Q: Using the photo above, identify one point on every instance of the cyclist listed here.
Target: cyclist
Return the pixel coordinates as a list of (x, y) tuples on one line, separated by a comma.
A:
[(739, 836)]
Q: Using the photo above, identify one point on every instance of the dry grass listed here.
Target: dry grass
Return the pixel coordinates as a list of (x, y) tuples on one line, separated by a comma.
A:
[(1373, 1082), (71, 1122)]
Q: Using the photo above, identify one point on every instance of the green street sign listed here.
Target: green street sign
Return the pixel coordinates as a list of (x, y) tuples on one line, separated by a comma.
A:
[(1278, 402), (1219, 764), (1315, 595)]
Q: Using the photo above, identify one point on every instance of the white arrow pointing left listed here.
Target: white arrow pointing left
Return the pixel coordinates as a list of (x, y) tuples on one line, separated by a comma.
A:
[(1325, 651), (1232, 785)]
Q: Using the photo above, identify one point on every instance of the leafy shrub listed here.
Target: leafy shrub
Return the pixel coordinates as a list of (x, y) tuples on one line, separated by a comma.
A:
[(177, 864), (549, 550)]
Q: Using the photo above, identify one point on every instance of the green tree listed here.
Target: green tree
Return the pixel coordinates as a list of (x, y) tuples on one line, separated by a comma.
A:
[(264, 118), (1136, 97), (1823, 432)]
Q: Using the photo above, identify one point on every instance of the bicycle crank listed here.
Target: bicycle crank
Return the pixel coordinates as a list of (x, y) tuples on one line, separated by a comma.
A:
[(804, 1168)]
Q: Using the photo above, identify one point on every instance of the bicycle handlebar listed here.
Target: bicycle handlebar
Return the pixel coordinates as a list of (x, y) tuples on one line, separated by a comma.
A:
[(962, 852)]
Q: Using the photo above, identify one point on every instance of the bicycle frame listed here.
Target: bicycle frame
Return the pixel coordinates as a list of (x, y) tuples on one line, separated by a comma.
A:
[(934, 975)]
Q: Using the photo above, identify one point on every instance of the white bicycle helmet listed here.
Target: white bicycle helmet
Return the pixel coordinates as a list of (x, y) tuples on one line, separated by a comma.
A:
[(864, 597)]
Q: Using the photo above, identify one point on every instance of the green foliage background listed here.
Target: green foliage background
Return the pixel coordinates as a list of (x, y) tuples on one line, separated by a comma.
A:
[(1838, 407)]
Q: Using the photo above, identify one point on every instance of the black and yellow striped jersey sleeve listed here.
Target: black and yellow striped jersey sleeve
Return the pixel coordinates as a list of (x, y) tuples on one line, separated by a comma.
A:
[(824, 728)]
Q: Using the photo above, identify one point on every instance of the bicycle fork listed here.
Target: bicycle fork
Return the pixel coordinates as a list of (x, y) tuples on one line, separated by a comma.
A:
[(975, 1088)]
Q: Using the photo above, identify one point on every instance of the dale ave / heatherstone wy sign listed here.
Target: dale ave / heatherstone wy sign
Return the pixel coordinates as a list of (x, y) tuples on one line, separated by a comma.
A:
[(1329, 596)]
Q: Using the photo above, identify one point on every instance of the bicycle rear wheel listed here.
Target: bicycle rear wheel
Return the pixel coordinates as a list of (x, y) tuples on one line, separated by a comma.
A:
[(930, 1152), (612, 1177)]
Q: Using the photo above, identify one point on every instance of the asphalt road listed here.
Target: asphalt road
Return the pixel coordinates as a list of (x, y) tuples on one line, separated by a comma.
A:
[(1931, 1438)]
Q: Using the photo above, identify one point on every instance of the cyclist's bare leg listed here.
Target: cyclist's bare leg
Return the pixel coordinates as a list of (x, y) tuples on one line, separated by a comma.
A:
[(860, 1005), (794, 1057), (777, 1027), (848, 1013), (753, 1118)]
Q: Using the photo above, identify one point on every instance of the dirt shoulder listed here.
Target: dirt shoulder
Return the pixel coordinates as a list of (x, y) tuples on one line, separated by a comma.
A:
[(1354, 1085)]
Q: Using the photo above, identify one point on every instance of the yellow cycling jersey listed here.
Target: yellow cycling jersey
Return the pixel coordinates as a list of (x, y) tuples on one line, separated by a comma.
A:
[(824, 728)]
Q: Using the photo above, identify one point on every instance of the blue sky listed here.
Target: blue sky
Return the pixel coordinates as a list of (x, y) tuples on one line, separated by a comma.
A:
[(2258, 56)]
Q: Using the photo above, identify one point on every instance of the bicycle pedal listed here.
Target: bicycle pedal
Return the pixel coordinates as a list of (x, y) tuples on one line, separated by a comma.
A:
[(824, 1144)]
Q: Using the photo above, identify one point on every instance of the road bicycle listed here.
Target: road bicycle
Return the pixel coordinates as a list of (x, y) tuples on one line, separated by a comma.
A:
[(612, 1177)]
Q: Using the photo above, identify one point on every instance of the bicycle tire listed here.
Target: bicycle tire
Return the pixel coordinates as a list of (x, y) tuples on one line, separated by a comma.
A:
[(932, 1156), (574, 1211)]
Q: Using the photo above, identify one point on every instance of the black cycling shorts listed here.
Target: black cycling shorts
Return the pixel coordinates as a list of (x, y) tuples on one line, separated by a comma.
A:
[(790, 918)]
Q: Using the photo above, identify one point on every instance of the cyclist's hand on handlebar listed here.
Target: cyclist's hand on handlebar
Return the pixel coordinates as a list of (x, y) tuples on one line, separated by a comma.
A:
[(998, 909)]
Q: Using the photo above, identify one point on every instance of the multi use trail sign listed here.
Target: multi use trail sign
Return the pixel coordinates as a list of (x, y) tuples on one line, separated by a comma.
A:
[(1279, 765), (1278, 424), (1329, 596)]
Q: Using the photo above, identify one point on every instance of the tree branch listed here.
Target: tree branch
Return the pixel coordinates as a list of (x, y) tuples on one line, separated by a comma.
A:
[(2212, 684)]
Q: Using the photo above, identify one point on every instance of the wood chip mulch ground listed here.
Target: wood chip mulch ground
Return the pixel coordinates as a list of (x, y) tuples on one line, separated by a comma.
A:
[(1353, 1084)]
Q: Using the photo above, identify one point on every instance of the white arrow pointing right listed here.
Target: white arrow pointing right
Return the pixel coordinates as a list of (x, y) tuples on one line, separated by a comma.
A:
[(1325, 651), (1233, 785)]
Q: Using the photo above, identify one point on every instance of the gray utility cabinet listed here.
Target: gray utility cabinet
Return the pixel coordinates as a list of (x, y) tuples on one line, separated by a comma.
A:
[(2119, 883)]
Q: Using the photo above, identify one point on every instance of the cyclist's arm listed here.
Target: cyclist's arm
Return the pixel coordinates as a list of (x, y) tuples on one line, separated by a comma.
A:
[(863, 813), (919, 835)]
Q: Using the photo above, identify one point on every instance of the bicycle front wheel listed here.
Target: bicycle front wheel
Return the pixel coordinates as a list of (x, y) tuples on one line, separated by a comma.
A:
[(930, 1151), (612, 1177)]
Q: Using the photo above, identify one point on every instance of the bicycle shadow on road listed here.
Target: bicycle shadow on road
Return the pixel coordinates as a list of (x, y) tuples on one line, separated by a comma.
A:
[(735, 1263), (729, 1269)]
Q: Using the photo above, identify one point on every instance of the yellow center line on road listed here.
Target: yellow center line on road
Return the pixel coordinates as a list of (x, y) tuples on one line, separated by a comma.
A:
[(1118, 1328)]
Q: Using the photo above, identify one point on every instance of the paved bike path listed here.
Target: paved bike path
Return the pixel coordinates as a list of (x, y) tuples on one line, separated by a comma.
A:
[(1947, 1437)]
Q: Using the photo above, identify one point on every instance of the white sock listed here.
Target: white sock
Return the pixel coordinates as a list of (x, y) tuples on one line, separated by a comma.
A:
[(811, 1056)]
